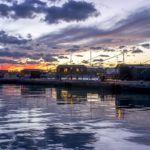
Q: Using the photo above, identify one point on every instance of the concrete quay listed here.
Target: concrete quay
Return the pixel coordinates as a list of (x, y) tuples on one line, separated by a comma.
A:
[(114, 85)]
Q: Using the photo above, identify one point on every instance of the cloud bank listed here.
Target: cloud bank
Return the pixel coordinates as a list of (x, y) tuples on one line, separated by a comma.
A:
[(69, 11)]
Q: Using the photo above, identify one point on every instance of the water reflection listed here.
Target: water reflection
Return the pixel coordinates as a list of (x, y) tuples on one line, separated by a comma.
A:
[(33, 118), (133, 100)]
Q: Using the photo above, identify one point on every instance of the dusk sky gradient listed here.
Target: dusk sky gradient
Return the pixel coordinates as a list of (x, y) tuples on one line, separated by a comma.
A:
[(33, 31)]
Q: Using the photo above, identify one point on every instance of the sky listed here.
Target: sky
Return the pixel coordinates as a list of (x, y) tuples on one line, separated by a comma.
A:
[(73, 31)]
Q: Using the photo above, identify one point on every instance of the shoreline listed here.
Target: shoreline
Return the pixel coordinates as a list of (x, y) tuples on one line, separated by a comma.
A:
[(114, 86)]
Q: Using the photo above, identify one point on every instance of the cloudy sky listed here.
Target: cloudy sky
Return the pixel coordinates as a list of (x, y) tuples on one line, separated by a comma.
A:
[(57, 30)]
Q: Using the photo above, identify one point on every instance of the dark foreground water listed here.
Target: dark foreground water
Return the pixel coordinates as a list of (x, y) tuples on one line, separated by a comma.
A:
[(42, 118)]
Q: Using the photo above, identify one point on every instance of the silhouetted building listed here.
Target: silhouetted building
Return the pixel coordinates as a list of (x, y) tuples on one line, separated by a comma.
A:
[(3, 73), (71, 69), (111, 73), (134, 72), (95, 71), (32, 73)]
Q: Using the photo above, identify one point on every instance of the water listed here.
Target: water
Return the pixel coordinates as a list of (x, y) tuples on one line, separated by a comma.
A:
[(42, 118)]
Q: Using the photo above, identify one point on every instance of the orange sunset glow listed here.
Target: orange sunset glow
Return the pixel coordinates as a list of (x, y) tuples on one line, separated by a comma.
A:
[(19, 67)]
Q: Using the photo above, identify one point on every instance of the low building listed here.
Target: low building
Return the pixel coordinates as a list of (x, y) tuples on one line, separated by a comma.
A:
[(3, 73), (134, 72), (32, 73), (71, 69), (95, 71), (111, 73), (13, 75)]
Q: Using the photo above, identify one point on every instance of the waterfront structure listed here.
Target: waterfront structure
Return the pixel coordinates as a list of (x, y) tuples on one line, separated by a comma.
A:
[(71, 69), (8, 74), (95, 71), (3, 73), (111, 73), (134, 72), (32, 73)]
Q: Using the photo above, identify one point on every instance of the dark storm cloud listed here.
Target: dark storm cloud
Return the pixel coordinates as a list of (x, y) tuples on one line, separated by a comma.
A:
[(134, 29), (77, 34), (125, 50), (137, 51), (98, 60), (74, 48), (54, 0), (56, 47), (63, 57), (69, 11), (108, 50), (4, 10), (9, 1), (104, 55), (4, 48), (121, 47), (137, 23), (45, 57), (38, 2), (49, 58), (70, 35), (96, 48), (26, 47), (79, 55), (145, 45), (9, 39), (16, 55), (27, 9), (3, 61), (34, 57), (85, 62)]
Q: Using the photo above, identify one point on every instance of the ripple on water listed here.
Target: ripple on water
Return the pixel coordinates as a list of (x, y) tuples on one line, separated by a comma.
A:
[(69, 120)]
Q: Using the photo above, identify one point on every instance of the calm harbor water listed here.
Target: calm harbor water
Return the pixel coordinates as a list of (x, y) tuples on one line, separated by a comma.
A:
[(43, 118)]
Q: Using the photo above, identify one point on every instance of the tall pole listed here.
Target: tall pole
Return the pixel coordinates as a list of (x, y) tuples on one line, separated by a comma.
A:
[(117, 60), (123, 57), (90, 57), (70, 57)]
